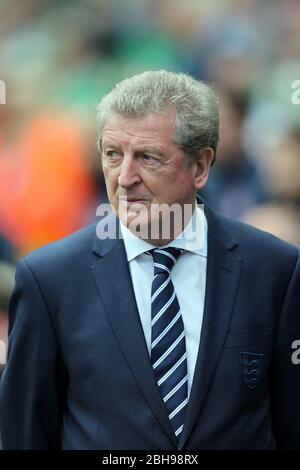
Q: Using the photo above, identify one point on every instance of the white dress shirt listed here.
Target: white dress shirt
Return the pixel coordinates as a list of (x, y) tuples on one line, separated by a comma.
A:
[(188, 276)]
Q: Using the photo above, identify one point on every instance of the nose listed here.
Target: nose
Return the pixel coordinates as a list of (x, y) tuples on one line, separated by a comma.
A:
[(129, 173)]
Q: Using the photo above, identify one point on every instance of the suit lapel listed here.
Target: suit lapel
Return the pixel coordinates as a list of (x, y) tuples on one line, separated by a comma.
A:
[(223, 272), (114, 285)]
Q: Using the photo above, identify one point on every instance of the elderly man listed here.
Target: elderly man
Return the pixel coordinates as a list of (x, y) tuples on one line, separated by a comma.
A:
[(175, 331)]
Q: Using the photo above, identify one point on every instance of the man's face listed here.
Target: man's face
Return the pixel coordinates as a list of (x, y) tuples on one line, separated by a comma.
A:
[(144, 168)]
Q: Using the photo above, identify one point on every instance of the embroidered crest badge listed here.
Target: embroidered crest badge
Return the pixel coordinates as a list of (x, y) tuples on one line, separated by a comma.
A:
[(251, 367)]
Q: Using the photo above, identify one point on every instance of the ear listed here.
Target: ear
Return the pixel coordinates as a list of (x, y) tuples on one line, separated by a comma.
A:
[(202, 167)]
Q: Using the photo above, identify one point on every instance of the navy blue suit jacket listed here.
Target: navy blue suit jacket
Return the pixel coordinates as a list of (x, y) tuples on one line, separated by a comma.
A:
[(79, 374)]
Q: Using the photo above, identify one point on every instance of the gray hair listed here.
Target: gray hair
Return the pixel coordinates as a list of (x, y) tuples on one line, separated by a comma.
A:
[(194, 102)]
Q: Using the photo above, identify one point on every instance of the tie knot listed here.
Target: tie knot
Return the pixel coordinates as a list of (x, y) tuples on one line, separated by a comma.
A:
[(164, 259)]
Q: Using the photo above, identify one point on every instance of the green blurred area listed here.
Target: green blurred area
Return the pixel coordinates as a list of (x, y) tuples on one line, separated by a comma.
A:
[(58, 58)]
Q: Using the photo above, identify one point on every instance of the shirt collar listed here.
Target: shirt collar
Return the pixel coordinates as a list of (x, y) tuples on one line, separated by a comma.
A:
[(192, 239)]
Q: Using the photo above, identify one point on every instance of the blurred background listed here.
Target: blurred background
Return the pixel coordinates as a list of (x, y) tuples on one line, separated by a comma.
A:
[(59, 57)]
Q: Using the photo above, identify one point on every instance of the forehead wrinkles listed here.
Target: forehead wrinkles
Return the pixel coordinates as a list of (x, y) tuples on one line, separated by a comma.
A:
[(128, 140), (151, 128)]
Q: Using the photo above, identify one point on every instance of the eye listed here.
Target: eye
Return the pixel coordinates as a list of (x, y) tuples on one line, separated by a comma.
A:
[(149, 158), (112, 155)]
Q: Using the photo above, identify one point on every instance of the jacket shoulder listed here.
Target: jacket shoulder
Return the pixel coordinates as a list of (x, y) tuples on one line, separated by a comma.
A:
[(258, 243), (63, 252)]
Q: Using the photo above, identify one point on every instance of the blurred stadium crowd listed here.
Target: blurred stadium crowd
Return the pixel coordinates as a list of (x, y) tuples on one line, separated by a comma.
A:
[(58, 58)]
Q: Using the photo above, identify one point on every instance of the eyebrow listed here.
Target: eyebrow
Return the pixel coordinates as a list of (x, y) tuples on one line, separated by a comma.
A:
[(108, 143), (152, 150), (145, 149)]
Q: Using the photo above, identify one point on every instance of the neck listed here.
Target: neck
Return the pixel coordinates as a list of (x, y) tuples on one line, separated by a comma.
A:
[(166, 225)]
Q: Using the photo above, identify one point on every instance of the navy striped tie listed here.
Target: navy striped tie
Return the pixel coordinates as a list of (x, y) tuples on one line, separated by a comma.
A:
[(168, 350)]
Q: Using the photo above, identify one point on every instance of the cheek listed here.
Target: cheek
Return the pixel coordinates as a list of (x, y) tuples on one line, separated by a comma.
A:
[(111, 180), (169, 187), (183, 184)]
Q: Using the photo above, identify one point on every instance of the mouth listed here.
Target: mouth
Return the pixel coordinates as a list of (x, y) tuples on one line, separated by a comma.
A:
[(132, 200)]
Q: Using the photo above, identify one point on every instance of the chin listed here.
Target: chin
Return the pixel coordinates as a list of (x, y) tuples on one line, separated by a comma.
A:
[(140, 226)]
